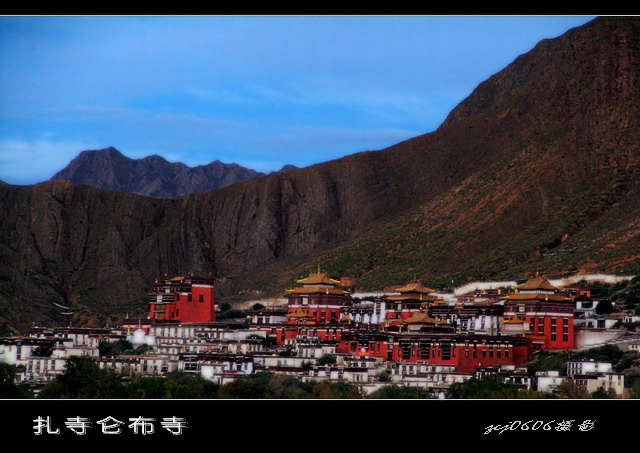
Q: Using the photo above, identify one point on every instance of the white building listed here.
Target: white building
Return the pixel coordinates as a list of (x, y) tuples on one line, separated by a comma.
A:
[(548, 381), (605, 381), (587, 367)]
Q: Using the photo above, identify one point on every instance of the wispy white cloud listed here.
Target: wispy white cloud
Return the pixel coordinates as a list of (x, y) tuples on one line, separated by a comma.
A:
[(96, 110), (194, 120), (26, 162), (258, 90)]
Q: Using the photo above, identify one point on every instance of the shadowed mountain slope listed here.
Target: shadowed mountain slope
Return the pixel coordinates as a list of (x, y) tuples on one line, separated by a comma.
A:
[(537, 169)]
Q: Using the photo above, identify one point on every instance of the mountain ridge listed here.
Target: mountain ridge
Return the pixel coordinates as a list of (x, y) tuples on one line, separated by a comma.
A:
[(153, 175), (537, 169)]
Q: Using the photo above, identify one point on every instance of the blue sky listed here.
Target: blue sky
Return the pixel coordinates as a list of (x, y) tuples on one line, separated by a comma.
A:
[(260, 91)]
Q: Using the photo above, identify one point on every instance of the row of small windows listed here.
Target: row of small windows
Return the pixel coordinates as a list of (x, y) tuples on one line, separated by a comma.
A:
[(190, 297)]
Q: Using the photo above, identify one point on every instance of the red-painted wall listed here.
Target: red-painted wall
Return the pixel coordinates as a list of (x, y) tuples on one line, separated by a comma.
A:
[(191, 303), (464, 358), (201, 307)]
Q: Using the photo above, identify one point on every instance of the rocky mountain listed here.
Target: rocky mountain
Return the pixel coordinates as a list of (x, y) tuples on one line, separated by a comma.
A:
[(109, 169), (288, 167), (537, 170)]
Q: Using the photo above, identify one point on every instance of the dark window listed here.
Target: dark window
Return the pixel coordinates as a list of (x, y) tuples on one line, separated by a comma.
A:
[(201, 297), (446, 352)]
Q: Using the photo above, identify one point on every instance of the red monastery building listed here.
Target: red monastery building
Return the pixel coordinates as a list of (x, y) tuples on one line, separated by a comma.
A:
[(318, 300), (537, 310), (414, 298), (465, 352), (314, 309), (183, 299)]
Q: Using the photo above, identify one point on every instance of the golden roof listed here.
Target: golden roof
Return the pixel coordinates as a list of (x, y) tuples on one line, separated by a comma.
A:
[(319, 277), (415, 287), (531, 296), (415, 296), (420, 317), (316, 289), (298, 314), (176, 279), (537, 283)]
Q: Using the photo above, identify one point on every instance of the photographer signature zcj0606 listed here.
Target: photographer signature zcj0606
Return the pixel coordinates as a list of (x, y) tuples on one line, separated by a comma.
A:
[(540, 425)]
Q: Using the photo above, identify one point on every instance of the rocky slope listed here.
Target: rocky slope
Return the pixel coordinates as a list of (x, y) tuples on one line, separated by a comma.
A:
[(109, 169), (536, 170)]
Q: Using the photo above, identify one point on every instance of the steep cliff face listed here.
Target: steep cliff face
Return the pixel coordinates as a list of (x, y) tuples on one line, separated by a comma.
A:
[(565, 121), (109, 169), (542, 157)]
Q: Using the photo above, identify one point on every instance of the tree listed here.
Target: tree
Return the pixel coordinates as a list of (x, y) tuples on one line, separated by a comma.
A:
[(635, 389), (604, 307), (342, 390), (607, 353), (147, 387), (399, 392), (492, 386), (250, 387), (231, 314), (282, 386), (571, 389), (270, 385), (327, 359), (265, 342), (8, 386), (546, 361), (114, 348), (83, 378), (257, 306), (600, 290), (601, 393), (181, 385), (43, 350)]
